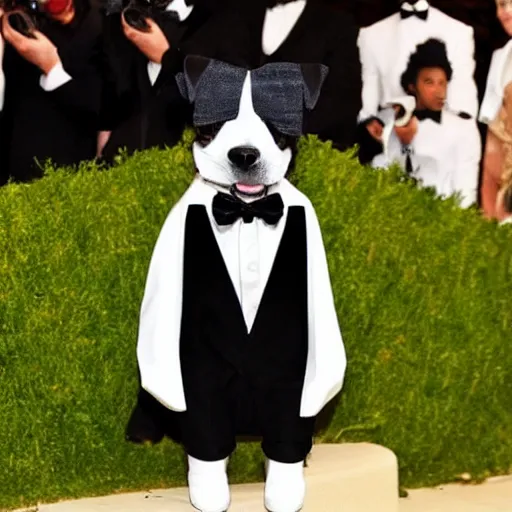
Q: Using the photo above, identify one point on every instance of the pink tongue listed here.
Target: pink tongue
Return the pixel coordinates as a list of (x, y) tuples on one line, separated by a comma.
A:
[(249, 189)]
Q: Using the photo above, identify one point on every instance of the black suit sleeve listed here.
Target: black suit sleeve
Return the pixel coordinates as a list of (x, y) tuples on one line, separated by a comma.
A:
[(335, 116), (369, 148), (80, 97), (110, 106), (172, 64)]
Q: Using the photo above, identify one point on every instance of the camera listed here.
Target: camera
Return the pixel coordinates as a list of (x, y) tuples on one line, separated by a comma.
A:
[(136, 11), (24, 16), (404, 108)]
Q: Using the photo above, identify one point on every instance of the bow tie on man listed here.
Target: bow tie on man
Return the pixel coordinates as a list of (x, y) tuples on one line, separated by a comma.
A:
[(227, 209), (418, 9), (434, 115)]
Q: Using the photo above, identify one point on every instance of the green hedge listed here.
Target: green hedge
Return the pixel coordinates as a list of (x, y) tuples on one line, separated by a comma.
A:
[(423, 291)]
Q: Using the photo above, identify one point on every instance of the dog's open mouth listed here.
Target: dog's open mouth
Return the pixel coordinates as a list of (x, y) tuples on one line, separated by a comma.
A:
[(249, 190)]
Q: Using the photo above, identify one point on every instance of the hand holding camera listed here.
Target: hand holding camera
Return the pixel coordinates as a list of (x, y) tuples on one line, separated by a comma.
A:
[(405, 125), (36, 48), (137, 12), (22, 15), (404, 109), (151, 42), (375, 129)]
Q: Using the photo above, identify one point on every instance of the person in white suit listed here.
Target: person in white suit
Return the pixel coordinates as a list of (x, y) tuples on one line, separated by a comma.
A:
[(436, 147), (496, 112), (384, 50)]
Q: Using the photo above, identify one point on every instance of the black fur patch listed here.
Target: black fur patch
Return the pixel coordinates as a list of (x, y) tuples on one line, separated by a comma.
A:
[(205, 134)]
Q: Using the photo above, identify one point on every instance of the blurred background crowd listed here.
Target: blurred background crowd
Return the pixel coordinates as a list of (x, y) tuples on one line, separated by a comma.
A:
[(425, 85)]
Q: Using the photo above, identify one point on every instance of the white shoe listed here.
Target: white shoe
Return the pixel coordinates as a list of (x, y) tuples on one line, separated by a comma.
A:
[(285, 487), (208, 485)]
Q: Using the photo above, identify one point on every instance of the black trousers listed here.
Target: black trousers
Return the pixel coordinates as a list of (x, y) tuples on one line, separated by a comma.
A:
[(216, 415)]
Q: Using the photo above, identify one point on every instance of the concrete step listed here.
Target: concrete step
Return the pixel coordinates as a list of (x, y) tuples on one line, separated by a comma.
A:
[(494, 495), (352, 477)]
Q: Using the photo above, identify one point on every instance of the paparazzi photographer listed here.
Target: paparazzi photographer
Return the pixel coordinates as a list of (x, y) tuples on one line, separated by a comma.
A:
[(142, 106), (53, 88)]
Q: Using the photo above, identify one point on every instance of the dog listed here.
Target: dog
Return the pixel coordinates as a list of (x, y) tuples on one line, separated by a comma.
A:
[(238, 330)]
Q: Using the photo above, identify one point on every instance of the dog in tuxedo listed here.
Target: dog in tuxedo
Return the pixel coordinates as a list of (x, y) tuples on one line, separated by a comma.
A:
[(238, 331)]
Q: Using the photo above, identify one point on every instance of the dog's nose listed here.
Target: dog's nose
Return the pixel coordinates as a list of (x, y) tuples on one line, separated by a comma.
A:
[(244, 156)]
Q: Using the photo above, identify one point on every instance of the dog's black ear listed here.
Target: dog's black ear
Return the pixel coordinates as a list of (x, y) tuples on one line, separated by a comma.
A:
[(193, 68), (314, 76)]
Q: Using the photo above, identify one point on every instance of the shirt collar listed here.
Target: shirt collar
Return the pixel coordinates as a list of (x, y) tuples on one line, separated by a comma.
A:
[(434, 115), (215, 187)]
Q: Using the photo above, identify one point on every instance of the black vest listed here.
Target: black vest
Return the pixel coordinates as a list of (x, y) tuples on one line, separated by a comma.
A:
[(215, 343)]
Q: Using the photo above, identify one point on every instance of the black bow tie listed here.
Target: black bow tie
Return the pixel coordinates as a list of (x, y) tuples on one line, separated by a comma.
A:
[(227, 209), (422, 15), (435, 115)]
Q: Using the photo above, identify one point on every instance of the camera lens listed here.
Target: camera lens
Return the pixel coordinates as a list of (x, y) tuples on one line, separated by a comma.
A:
[(160, 4), (22, 23), (136, 19)]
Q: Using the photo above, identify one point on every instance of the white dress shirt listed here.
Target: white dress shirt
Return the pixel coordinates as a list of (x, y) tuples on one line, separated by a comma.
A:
[(57, 77), (249, 266), (153, 71), (180, 8), (445, 156), (249, 251), (279, 22)]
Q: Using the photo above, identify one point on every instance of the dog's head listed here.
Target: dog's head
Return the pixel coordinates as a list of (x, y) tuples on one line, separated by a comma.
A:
[(247, 121)]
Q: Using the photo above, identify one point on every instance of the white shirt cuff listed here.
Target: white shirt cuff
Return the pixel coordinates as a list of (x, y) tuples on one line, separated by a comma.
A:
[(153, 71), (56, 78)]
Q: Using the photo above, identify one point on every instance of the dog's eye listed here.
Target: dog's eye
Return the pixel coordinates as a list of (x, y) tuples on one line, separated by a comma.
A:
[(205, 134), (282, 141)]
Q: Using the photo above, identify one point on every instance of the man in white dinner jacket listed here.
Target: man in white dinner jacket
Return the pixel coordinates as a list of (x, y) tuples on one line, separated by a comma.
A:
[(385, 48)]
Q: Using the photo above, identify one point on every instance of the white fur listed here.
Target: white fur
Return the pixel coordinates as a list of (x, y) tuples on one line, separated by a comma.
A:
[(180, 8), (247, 129), (285, 486), (208, 485)]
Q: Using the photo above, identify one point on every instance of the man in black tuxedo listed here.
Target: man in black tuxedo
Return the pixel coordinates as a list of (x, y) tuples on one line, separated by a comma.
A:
[(142, 107)]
